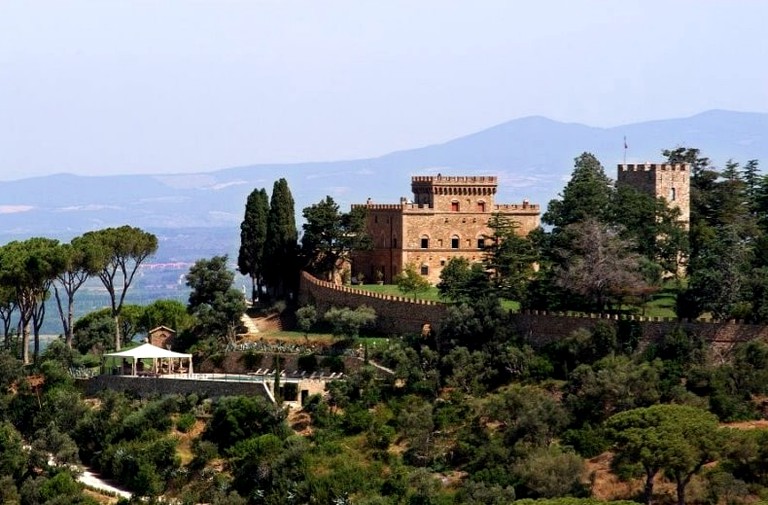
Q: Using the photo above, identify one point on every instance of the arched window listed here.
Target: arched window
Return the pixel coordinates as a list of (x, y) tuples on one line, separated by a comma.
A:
[(455, 242), (672, 194), (424, 242), (424, 269)]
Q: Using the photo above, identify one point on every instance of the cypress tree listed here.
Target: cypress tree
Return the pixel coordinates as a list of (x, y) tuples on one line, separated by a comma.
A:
[(280, 248), (253, 235)]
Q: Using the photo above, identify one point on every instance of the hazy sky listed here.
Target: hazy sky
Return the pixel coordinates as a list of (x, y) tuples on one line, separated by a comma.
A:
[(106, 86)]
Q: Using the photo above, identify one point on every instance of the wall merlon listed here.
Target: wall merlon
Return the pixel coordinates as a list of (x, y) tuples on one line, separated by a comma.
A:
[(455, 179), (652, 167)]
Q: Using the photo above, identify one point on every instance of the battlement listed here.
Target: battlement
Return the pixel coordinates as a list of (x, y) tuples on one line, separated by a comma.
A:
[(533, 207), (455, 179), (653, 167), (381, 206)]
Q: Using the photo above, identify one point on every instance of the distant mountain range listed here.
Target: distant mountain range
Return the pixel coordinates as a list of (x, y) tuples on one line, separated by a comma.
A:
[(532, 156)]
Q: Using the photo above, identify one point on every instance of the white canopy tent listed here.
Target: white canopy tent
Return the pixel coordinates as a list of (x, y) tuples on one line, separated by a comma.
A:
[(149, 351)]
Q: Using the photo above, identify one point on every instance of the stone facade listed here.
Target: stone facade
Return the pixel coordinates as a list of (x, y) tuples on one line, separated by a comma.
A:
[(447, 218), (671, 182)]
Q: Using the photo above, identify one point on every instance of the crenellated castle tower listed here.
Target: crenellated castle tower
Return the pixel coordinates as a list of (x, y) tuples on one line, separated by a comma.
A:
[(668, 181)]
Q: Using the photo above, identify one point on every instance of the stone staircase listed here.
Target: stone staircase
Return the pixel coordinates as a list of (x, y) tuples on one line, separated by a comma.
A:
[(263, 324)]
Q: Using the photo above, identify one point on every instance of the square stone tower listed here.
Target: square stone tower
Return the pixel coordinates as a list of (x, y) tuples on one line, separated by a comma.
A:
[(671, 182)]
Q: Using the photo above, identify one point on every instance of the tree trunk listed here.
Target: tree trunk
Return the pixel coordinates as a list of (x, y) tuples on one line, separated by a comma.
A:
[(118, 340), (681, 492), (648, 492), (70, 336), (25, 343)]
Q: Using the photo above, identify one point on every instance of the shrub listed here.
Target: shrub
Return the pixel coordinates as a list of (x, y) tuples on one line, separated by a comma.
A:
[(185, 422)]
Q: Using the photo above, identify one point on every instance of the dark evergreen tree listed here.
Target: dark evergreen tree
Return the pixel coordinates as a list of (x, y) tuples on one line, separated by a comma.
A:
[(331, 236), (280, 249), (587, 195), (509, 257), (253, 236)]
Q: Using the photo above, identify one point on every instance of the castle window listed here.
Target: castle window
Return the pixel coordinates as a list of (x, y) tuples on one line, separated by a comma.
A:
[(424, 269), (672, 194), (481, 243), (455, 206), (394, 242), (375, 219), (424, 242), (481, 206), (442, 262), (455, 242)]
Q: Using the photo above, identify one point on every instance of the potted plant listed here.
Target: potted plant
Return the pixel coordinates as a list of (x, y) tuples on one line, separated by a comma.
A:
[(379, 277)]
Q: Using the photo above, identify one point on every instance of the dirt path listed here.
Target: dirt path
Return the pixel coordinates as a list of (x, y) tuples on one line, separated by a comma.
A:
[(91, 480)]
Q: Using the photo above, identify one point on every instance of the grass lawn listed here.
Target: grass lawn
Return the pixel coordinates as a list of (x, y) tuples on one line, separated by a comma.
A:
[(393, 290)]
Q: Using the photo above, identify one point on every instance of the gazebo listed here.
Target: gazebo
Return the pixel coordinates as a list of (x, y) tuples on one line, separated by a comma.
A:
[(149, 351)]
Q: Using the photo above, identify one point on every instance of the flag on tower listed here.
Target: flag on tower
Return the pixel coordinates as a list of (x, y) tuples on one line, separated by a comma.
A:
[(625, 142)]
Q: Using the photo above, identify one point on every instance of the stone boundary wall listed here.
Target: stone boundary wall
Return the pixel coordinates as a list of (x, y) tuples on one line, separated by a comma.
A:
[(394, 314), (542, 327), (151, 386), (398, 315)]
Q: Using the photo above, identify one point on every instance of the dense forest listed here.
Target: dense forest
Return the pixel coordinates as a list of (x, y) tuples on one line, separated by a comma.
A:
[(473, 414)]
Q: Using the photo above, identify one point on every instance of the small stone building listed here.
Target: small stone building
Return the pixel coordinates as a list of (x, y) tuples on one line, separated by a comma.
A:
[(162, 336), (448, 217)]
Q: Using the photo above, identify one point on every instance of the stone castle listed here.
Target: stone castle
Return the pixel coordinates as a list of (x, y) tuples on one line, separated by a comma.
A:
[(447, 218)]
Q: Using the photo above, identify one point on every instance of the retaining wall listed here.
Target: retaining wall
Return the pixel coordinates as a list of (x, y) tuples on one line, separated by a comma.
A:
[(394, 314), (399, 315), (151, 386)]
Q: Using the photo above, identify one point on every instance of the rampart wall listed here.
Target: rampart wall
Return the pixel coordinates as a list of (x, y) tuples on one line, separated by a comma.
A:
[(398, 315), (395, 314), (542, 327)]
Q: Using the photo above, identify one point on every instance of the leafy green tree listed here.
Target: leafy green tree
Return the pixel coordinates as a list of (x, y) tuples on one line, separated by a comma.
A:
[(613, 384), (675, 439), (13, 457), (586, 196), (117, 254), (550, 472), (719, 276), (280, 250), (253, 236), (170, 313), (217, 306), (78, 266), (411, 281), (509, 257), (306, 317), (346, 322), (29, 267), (462, 282), (95, 331), (238, 418), (651, 226), (330, 236), (8, 306), (530, 416)]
